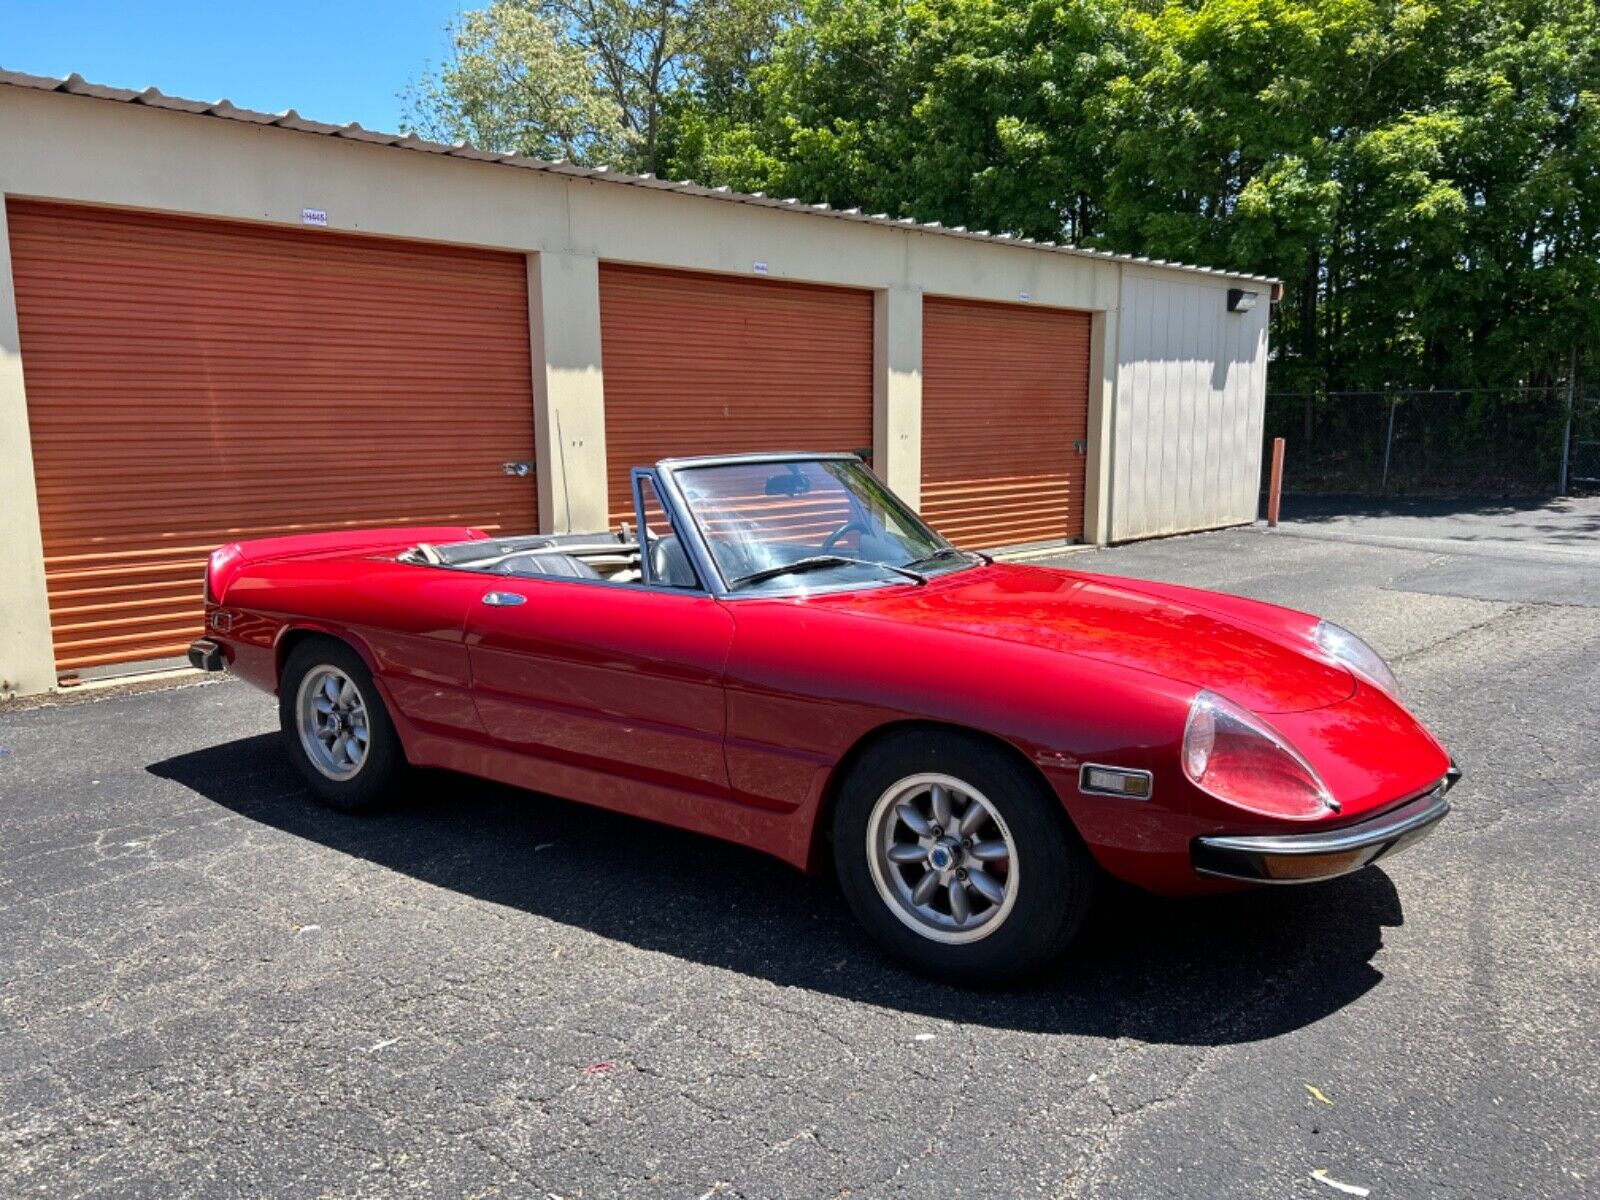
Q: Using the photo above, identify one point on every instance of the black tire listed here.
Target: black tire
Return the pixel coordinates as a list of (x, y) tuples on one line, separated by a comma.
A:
[(1055, 880), (370, 783)]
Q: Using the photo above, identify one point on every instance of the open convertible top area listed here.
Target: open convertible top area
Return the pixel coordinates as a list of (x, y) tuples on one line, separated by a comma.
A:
[(759, 523), (568, 555)]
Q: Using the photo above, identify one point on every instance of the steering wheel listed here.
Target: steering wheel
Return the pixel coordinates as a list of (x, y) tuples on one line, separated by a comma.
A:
[(852, 525)]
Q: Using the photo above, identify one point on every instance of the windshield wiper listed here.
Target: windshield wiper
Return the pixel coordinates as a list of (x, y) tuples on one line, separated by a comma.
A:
[(823, 560), (946, 552)]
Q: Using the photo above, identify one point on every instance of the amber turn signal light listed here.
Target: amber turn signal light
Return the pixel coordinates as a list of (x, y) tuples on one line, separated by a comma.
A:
[(1115, 781), (1313, 866)]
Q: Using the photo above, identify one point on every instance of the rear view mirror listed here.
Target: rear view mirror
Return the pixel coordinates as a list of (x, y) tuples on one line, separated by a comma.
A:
[(789, 483)]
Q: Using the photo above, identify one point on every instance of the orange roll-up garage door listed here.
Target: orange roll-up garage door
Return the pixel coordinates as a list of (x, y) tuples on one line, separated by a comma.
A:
[(716, 364), (1005, 401), (192, 383)]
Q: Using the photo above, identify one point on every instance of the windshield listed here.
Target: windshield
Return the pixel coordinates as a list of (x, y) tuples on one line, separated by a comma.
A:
[(822, 522)]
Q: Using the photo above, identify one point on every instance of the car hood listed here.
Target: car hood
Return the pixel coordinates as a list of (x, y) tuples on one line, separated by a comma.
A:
[(1097, 618)]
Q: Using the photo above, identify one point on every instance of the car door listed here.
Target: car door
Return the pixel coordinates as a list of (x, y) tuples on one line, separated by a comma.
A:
[(617, 678), (620, 678)]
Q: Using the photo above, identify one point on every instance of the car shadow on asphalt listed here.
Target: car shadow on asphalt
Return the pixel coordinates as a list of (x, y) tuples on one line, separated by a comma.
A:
[(1211, 971)]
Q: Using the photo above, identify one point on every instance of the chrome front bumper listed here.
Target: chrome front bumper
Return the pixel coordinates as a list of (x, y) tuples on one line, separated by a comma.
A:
[(1308, 857)]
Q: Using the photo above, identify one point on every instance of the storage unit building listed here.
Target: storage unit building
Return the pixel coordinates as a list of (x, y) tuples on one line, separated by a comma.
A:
[(218, 324)]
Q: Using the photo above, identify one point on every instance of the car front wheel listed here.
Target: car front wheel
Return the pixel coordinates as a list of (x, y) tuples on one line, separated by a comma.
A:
[(958, 860), (335, 727)]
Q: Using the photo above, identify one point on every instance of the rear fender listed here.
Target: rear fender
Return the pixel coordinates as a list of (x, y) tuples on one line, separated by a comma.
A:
[(228, 561), (293, 634)]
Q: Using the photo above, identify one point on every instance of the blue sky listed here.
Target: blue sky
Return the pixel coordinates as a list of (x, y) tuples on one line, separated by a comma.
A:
[(331, 61)]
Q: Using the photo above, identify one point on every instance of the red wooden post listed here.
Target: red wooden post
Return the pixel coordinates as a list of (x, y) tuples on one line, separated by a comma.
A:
[(1275, 488)]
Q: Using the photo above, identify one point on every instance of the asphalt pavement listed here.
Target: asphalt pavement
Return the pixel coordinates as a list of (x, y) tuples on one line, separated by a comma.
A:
[(210, 986)]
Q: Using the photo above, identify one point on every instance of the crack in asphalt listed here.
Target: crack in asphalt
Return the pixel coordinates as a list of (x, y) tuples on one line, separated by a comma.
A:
[(1511, 613)]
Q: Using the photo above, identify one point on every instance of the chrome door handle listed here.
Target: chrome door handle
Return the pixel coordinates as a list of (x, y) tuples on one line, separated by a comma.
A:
[(503, 599)]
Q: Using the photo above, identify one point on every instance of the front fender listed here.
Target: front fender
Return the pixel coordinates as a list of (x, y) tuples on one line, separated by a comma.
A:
[(805, 686)]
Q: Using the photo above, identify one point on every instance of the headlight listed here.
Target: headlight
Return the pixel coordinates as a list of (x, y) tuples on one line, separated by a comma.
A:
[(1350, 651), (1241, 760)]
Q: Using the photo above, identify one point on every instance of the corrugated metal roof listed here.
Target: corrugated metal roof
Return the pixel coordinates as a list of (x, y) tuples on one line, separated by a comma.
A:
[(76, 85)]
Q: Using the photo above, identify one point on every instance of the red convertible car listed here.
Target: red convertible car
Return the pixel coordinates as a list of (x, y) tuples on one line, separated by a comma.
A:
[(777, 651)]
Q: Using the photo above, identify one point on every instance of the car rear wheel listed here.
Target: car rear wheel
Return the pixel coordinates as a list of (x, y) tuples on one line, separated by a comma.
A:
[(958, 860), (335, 727)]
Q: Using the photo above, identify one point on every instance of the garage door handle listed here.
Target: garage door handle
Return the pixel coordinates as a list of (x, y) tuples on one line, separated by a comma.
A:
[(503, 599), (1080, 446)]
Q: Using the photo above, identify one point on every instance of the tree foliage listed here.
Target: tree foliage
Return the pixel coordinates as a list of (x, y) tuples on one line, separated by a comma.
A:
[(587, 80), (1424, 175)]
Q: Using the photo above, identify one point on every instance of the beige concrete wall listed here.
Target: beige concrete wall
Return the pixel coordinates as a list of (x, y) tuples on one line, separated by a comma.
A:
[(1103, 332), (897, 391), (1191, 394), (568, 390), (102, 152), (27, 664)]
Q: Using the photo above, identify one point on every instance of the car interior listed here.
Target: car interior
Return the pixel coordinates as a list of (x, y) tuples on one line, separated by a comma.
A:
[(611, 557), (750, 533)]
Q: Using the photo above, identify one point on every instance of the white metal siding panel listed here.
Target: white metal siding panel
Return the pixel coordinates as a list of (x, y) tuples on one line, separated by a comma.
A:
[(1235, 431), (1191, 384), (1133, 378), (1248, 497), (1122, 379), (1131, 486)]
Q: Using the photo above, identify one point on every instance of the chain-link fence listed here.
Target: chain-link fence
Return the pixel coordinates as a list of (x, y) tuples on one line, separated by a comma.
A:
[(1583, 465), (1482, 442)]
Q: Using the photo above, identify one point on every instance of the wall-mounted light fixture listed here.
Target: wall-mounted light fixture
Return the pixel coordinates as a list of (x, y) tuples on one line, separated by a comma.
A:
[(1240, 300)]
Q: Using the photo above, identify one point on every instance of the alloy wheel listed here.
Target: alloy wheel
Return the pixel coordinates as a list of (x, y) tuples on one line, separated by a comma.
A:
[(943, 858), (331, 718)]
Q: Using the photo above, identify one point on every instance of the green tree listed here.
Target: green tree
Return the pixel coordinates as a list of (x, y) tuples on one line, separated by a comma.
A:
[(513, 84), (1421, 173), (586, 80), (1408, 168)]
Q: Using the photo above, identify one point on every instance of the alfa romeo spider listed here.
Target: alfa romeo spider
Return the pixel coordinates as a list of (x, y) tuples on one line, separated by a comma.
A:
[(778, 651)]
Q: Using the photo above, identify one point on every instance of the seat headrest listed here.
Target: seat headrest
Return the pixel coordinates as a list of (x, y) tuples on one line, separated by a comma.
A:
[(669, 564)]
